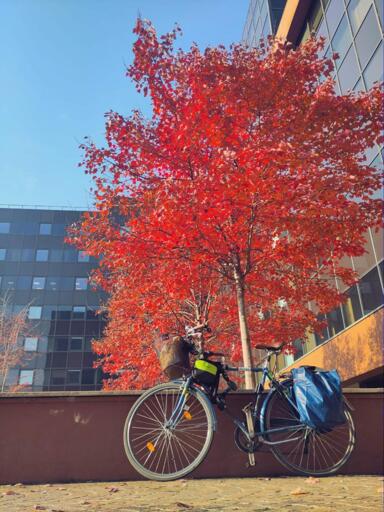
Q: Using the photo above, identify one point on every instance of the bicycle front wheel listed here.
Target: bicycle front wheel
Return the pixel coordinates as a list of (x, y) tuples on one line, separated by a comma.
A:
[(168, 434), (303, 449)]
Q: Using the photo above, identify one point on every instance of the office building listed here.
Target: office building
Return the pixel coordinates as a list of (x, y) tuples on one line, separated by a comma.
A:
[(352, 342), (39, 270)]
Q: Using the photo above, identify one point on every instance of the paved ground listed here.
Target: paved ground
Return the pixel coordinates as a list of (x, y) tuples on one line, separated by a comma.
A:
[(352, 494)]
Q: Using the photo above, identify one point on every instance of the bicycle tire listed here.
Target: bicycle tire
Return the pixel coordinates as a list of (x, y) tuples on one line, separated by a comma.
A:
[(145, 433), (317, 452)]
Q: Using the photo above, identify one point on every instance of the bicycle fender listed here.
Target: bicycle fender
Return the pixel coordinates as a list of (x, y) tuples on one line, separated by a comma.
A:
[(204, 397)]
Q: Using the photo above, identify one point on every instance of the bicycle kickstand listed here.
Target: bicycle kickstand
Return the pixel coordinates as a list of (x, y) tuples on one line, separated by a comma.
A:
[(251, 430)]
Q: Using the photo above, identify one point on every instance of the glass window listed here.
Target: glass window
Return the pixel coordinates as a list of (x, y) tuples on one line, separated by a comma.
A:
[(342, 40), (56, 255), (58, 229), (81, 283), (3, 253), (14, 254), (53, 283), (30, 344), (70, 256), (9, 282), (49, 312), (34, 312), (4, 227), (349, 71), (315, 16), (374, 71), (38, 283), (371, 292), (378, 243), (82, 257), (24, 282), (42, 255), (73, 377), (357, 10), (88, 377), (368, 38), (323, 32), (64, 312), (26, 377), (66, 283), (321, 337), (334, 13), (76, 344), (335, 321), (27, 254), (79, 312), (299, 349), (352, 307), (61, 344), (45, 229), (365, 262), (57, 377)]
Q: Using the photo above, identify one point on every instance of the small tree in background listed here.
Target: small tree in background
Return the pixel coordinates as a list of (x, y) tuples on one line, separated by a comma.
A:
[(13, 326), (251, 169)]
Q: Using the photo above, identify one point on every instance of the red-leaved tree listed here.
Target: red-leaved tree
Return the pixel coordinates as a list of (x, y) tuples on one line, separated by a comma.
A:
[(244, 189)]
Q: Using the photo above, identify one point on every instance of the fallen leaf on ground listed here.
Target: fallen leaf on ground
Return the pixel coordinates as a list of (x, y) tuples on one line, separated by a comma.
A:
[(298, 492), (85, 503), (183, 505), (112, 489), (9, 493), (39, 507), (61, 488), (19, 485), (311, 480)]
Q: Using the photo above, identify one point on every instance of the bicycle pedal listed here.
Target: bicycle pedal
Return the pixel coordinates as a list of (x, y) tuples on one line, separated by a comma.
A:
[(251, 459)]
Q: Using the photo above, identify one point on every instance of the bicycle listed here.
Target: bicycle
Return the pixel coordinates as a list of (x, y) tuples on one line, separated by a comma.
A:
[(170, 428)]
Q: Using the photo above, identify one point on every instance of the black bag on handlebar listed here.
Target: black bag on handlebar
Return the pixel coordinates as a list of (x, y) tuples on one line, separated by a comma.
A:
[(206, 372)]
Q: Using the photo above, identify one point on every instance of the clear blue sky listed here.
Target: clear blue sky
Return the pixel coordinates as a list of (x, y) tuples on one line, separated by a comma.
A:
[(62, 67)]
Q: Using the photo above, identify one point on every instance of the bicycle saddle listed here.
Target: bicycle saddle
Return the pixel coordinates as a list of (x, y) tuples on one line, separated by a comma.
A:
[(273, 348)]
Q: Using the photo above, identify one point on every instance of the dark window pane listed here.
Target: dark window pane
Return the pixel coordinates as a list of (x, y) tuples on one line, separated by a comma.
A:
[(66, 283), (88, 377), (38, 283), (14, 254), (322, 336), (27, 255), (59, 359), (24, 282), (335, 321), (53, 283), (73, 377), (374, 71), (92, 328), (352, 307), (381, 267), (56, 255), (299, 349), (76, 344), (368, 38), (42, 255), (45, 229), (91, 314), (342, 40), (61, 344), (57, 377), (334, 13), (64, 312), (4, 227), (3, 253), (371, 292), (58, 229), (75, 359), (88, 359), (349, 71), (357, 10), (70, 255)]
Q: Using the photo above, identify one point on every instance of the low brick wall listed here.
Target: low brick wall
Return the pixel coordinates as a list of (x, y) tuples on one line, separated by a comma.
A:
[(74, 437)]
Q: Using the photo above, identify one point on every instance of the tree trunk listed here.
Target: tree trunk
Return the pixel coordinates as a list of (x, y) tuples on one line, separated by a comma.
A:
[(244, 332)]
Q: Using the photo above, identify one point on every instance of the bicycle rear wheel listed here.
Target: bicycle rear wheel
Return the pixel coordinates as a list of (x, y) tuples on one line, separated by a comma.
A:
[(168, 434), (305, 450)]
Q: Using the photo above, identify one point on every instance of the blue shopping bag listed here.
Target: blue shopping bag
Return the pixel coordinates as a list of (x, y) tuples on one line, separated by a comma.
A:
[(319, 398)]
